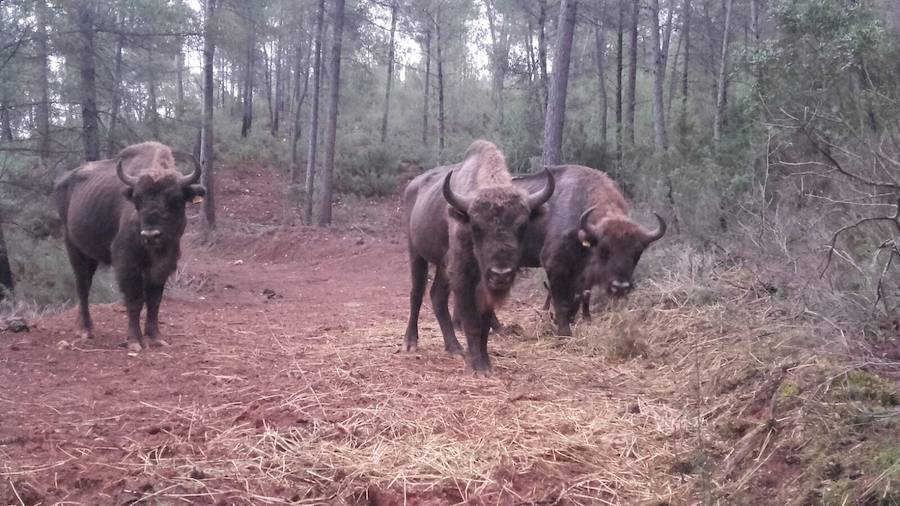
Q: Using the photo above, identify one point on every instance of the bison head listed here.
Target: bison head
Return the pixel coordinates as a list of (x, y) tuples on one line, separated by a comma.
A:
[(615, 245), (159, 198), (495, 218)]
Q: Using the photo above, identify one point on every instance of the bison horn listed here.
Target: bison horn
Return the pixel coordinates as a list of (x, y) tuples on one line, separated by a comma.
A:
[(461, 204), (583, 221), (194, 176), (658, 233), (128, 180), (536, 200)]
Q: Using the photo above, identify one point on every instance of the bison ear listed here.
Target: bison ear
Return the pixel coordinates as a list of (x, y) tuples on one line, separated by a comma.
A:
[(585, 239), (128, 192), (456, 214), (193, 191)]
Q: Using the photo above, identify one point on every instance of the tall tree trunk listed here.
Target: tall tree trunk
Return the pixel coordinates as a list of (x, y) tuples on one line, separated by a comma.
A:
[(111, 141), (152, 110), (630, 99), (206, 135), (279, 84), (331, 127), (499, 56), (247, 119), (721, 81), (390, 74), (427, 86), (754, 20), (179, 83), (267, 74), (43, 108), (659, 69), (7, 283), (673, 79), (620, 50), (686, 35), (301, 67), (6, 131), (440, 80), (542, 50), (554, 120), (600, 39), (314, 113), (89, 119)]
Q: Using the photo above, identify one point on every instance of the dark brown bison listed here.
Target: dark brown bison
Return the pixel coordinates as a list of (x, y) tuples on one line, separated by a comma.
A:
[(587, 240), (475, 243), (128, 212)]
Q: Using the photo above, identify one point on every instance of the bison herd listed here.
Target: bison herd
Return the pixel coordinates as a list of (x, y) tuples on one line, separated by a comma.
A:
[(475, 222)]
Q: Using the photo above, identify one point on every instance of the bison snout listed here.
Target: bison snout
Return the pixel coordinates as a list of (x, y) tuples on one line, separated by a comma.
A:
[(619, 288), (500, 278)]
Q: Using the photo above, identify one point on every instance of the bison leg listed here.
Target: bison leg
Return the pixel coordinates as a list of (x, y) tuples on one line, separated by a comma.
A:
[(586, 305), (495, 324), (562, 302), (477, 325), (132, 287), (153, 295), (419, 276), (84, 268), (440, 299)]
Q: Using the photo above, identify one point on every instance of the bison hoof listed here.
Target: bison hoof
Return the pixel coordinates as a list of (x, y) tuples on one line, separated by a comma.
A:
[(134, 346), (410, 347), (481, 373), (85, 334), (455, 350), (159, 343)]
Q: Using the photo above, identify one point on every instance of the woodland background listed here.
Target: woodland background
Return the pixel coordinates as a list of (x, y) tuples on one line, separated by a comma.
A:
[(765, 130)]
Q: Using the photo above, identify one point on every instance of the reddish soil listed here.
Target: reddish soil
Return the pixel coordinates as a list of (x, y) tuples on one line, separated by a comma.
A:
[(280, 336)]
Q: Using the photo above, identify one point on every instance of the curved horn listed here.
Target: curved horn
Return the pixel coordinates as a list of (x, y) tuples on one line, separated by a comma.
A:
[(461, 204), (194, 176), (583, 221), (658, 233), (128, 180), (536, 200)]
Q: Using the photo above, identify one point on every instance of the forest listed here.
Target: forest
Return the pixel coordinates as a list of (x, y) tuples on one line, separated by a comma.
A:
[(765, 132)]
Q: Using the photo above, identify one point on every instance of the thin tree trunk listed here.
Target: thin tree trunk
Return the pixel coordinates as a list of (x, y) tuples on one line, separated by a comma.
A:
[(331, 127), (754, 21), (440, 80), (301, 67), (247, 119), (279, 84), (499, 57), (43, 108), (390, 74), (89, 119), (630, 99), (620, 50), (600, 39), (111, 142), (721, 82), (673, 80), (7, 283), (6, 132), (206, 135), (686, 35), (314, 113), (427, 87), (152, 111), (659, 69), (542, 50), (270, 103), (179, 84), (554, 120)]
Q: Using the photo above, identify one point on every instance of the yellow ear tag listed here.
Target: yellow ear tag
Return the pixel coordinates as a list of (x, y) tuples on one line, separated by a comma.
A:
[(197, 200), (586, 244)]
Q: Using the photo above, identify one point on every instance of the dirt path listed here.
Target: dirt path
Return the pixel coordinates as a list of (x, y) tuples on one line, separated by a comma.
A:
[(283, 385)]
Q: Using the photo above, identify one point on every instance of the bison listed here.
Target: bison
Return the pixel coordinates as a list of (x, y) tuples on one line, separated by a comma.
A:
[(128, 212), (469, 221), (587, 240)]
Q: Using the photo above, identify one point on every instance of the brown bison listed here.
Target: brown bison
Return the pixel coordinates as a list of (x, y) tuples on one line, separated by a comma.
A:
[(130, 213), (587, 240), (475, 243)]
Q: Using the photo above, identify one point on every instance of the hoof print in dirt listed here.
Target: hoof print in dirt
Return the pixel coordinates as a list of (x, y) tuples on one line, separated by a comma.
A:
[(15, 324), (270, 294)]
